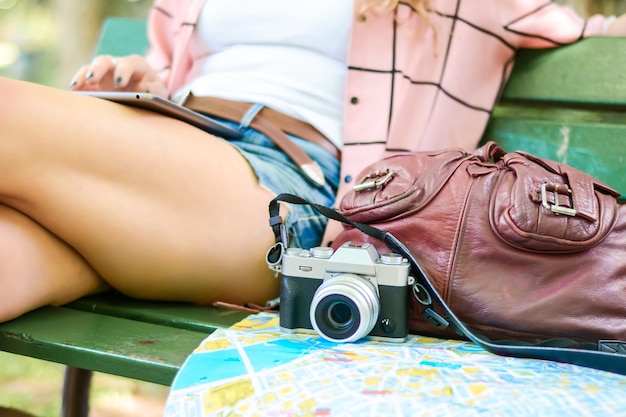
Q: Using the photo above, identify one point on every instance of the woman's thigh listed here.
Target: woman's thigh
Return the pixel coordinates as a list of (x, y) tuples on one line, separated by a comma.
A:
[(158, 208)]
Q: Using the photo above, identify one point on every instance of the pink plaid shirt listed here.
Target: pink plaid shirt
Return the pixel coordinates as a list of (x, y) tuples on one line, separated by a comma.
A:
[(405, 88)]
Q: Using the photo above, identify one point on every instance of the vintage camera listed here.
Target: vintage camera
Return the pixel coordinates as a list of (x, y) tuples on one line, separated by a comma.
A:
[(345, 295)]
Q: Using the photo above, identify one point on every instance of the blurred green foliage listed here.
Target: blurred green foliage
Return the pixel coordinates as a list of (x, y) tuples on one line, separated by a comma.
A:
[(41, 39), (30, 384)]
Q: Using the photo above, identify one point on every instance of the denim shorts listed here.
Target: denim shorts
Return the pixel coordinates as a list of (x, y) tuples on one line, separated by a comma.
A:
[(277, 172)]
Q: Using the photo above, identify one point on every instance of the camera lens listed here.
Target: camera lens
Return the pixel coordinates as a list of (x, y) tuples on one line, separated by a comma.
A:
[(340, 315), (344, 308), (337, 316)]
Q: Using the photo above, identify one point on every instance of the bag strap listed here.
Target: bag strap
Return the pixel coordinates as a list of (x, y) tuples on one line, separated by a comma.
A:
[(606, 355)]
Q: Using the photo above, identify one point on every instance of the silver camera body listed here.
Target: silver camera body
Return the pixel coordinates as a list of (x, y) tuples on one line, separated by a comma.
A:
[(345, 295)]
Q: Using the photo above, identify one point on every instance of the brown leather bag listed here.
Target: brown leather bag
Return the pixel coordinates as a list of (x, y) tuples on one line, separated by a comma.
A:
[(519, 247)]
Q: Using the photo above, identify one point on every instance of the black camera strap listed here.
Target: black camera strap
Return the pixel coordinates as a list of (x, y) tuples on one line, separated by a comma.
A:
[(606, 355)]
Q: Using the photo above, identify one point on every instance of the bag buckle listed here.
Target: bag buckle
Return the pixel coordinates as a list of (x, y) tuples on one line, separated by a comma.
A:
[(376, 179), (556, 208)]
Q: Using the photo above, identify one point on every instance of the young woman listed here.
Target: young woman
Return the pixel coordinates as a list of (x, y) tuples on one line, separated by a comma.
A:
[(96, 195)]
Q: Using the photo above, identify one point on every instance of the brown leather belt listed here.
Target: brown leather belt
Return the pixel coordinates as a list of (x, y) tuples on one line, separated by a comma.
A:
[(273, 124)]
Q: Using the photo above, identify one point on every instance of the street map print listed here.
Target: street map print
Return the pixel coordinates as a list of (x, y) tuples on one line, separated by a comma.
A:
[(252, 369)]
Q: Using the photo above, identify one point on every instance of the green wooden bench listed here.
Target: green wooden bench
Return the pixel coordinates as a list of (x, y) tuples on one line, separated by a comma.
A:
[(567, 104)]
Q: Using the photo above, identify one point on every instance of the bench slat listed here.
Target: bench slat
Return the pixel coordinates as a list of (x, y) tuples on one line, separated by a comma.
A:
[(123, 36), (587, 140), (101, 343), (590, 71), (203, 319)]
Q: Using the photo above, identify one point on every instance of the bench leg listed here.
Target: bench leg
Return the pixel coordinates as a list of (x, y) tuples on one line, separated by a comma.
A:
[(76, 392)]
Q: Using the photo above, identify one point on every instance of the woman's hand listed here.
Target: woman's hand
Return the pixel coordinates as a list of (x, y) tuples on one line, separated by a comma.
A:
[(129, 73)]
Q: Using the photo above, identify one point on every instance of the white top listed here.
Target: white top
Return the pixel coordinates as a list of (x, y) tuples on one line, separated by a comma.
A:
[(298, 69)]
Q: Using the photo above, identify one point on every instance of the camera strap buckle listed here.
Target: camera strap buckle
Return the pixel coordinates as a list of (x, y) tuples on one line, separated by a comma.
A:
[(280, 232), (274, 257)]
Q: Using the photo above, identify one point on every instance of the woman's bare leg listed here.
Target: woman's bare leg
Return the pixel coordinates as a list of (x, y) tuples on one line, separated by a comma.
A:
[(36, 268), (157, 208)]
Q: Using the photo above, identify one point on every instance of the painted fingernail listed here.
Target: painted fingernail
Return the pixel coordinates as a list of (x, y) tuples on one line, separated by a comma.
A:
[(73, 83), (89, 75), (118, 80)]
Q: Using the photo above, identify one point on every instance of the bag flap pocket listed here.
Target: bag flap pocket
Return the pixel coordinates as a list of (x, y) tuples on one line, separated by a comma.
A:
[(544, 206), (400, 184)]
